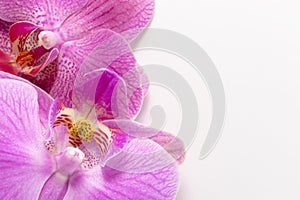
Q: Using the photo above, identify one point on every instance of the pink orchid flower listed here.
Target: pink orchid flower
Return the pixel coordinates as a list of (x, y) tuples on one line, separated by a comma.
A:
[(47, 41), (32, 168)]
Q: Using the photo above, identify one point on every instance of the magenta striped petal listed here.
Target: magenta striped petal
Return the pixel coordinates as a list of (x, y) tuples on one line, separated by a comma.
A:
[(4, 39), (46, 13), (20, 29), (22, 153), (104, 91), (129, 16)]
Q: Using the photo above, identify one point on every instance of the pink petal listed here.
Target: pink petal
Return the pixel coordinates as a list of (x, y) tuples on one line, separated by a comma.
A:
[(129, 16), (25, 163), (44, 99), (108, 183), (173, 145), (105, 91), (102, 50), (4, 39), (144, 81), (43, 12), (139, 156), (120, 140), (131, 128), (110, 94)]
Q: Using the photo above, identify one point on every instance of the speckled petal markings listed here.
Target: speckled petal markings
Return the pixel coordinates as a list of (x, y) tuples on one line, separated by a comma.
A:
[(105, 50), (4, 39)]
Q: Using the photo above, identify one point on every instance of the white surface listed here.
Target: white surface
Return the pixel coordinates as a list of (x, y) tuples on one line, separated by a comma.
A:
[(256, 48)]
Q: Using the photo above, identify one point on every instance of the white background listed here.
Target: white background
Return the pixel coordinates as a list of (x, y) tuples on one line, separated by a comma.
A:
[(255, 45)]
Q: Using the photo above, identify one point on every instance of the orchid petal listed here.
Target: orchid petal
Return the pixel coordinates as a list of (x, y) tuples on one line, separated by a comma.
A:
[(104, 91), (119, 141), (22, 152), (139, 156), (145, 83), (44, 99), (132, 128), (108, 183), (129, 16), (43, 12), (173, 145), (111, 91), (4, 39), (117, 57), (103, 50)]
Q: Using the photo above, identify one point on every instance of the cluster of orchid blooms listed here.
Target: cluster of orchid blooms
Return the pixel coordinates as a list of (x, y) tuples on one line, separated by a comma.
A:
[(70, 88)]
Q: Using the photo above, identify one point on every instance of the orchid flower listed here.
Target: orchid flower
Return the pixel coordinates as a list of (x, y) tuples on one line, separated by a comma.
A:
[(100, 98), (49, 39), (34, 168), (98, 137)]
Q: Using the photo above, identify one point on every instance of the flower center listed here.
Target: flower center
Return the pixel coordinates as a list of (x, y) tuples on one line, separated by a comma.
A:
[(83, 129), (48, 39), (25, 58)]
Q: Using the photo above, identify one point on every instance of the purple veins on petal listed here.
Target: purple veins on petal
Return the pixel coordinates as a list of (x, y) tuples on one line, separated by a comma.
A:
[(125, 17), (4, 37), (140, 171), (53, 28), (24, 162), (43, 13)]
